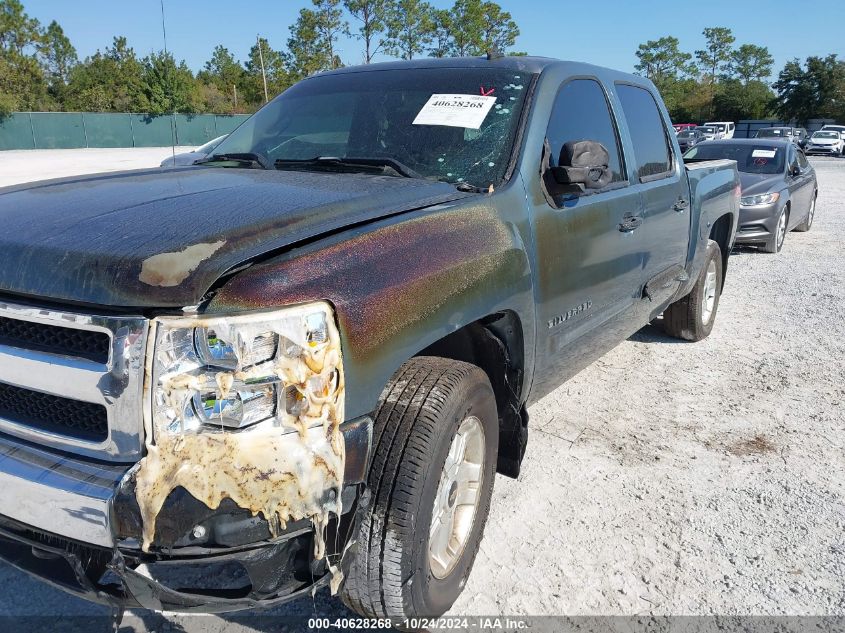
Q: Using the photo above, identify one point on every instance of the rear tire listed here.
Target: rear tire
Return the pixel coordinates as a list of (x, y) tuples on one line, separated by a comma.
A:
[(691, 318), (775, 243), (808, 222), (399, 569)]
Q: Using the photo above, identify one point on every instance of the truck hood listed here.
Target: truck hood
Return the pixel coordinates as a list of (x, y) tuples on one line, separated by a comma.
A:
[(754, 184), (155, 238)]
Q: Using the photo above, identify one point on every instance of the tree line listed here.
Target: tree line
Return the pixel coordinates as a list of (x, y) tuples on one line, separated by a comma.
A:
[(40, 68), (726, 82)]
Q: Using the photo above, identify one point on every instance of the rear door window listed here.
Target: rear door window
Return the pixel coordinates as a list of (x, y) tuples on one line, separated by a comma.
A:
[(648, 132)]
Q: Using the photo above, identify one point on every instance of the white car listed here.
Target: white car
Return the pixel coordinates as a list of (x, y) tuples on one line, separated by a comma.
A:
[(828, 142), (834, 128), (189, 158), (724, 129)]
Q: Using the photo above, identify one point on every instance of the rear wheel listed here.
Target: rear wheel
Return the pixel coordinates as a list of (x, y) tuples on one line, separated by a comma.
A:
[(775, 243), (435, 443), (808, 222), (691, 318)]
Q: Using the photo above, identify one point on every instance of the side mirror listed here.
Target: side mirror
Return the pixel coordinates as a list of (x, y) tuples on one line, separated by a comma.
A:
[(794, 170), (583, 163)]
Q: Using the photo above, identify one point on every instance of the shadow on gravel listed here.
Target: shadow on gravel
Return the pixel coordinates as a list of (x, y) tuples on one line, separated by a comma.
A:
[(745, 249), (653, 333)]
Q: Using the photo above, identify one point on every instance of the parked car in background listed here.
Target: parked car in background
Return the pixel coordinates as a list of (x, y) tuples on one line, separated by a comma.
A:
[(680, 127), (724, 129), (840, 129), (707, 131), (189, 158), (794, 134), (779, 187), (689, 137), (826, 142)]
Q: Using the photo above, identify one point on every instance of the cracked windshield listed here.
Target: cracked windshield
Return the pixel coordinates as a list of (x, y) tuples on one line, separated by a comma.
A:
[(454, 125)]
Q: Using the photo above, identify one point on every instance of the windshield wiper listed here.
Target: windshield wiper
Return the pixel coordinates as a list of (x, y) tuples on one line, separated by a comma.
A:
[(244, 158), (337, 161)]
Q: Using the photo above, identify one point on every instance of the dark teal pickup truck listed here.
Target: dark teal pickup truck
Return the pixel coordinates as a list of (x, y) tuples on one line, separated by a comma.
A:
[(302, 361)]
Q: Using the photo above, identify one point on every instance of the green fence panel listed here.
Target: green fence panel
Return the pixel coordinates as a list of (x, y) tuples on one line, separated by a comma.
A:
[(152, 131), (194, 129), (68, 130), (225, 123), (108, 129), (16, 132), (58, 130)]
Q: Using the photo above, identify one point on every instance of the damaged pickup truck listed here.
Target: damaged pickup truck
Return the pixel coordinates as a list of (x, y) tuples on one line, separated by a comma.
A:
[(301, 362)]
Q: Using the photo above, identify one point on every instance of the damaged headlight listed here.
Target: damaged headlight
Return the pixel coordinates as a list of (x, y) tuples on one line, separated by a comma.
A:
[(247, 408), (219, 373)]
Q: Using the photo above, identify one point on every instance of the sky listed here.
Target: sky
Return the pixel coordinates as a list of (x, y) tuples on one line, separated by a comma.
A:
[(602, 32)]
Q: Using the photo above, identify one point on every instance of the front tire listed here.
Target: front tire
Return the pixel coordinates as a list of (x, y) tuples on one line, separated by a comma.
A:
[(692, 317), (435, 442), (775, 243), (808, 222)]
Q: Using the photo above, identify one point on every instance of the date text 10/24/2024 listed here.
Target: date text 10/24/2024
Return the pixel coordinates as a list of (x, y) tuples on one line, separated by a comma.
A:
[(441, 623)]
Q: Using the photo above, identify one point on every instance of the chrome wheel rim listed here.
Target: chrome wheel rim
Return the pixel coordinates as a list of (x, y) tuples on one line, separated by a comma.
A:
[(708, 300), (457, 498), (781, 235)]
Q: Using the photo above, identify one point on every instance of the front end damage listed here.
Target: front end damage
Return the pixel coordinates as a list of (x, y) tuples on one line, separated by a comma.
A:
[(249, 490)]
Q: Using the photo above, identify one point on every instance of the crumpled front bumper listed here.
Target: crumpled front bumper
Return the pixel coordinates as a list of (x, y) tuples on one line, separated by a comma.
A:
[(72, 523)]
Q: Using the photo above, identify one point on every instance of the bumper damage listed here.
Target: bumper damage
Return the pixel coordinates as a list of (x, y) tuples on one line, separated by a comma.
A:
[(200, 560), (259, 576)]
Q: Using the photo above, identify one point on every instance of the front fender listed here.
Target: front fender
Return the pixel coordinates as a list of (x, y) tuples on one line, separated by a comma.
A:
[(401, 284)]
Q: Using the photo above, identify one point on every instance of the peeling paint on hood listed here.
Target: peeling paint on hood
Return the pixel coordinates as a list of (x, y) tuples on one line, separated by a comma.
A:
[(171, 269)]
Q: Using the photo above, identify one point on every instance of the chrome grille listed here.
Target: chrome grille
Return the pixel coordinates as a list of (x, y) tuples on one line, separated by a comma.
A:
[(83, 420), (59, 340), (73, 381)]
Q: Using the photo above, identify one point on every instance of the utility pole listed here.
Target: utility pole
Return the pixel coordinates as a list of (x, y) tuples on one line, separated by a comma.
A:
[(263, 73), (235, 90)]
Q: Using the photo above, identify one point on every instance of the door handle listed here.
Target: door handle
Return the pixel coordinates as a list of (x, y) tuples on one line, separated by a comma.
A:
[(630, 223), (680, 205)]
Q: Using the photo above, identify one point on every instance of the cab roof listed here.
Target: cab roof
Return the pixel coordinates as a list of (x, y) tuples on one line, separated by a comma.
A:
[(518, 63)]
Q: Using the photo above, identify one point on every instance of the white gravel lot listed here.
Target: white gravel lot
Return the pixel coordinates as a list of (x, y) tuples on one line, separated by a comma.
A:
[(669, 477), (17, 166)]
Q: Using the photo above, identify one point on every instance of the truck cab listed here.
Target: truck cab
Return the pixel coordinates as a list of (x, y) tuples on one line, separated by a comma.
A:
[(307, 356), (724, 129)]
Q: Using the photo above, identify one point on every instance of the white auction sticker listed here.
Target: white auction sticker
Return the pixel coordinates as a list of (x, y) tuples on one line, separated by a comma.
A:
[(763, 153), (467, 111)]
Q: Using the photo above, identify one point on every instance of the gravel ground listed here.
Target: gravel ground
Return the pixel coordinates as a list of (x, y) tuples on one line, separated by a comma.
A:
[(667, 478)]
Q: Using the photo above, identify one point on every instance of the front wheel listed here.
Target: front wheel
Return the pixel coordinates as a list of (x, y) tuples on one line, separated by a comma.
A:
[(691, 318), (775, 243), (435, 441), (808, 222)]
